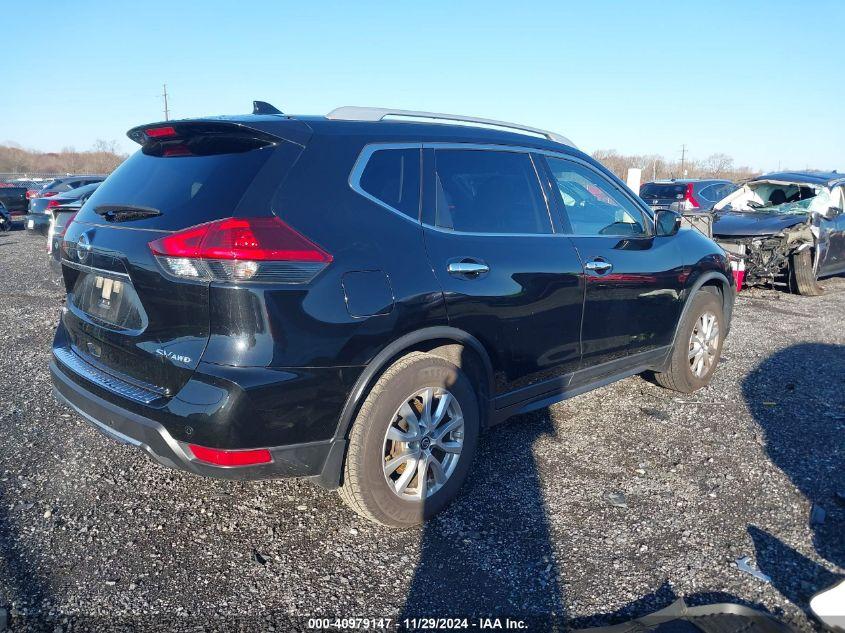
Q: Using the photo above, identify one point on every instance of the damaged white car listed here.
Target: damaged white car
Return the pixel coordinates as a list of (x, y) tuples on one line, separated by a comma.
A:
[(785, 229)]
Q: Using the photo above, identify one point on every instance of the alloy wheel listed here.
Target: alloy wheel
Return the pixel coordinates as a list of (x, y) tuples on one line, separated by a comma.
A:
[(704, 344), (423, 443)]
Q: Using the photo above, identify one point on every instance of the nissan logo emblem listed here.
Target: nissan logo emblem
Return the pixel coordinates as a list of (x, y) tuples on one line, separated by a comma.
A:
[(83, 246)]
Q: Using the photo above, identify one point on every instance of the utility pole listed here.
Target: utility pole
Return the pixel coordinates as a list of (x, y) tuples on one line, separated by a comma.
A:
[(166, 109), (683, 158)]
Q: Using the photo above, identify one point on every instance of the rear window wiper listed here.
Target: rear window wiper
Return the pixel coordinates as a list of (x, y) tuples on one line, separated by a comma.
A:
[(125, 212)]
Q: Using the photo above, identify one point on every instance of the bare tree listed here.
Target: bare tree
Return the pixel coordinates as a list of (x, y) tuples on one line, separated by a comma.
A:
[(656, 167), (103, 158), (718, 165)]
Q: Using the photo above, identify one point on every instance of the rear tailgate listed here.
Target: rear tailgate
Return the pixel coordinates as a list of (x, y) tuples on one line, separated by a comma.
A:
[(126, 316)]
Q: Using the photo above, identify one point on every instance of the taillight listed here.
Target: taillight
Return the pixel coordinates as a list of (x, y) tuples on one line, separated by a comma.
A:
[(219, 457), (690, 197), (53, 203), (241, 249), (49, 194), (31, 193)]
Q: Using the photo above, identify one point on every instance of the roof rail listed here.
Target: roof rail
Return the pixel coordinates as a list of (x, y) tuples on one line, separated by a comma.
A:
[(356, 113)]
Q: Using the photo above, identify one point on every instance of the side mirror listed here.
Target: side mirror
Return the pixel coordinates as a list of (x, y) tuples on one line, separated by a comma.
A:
[(666, 223)]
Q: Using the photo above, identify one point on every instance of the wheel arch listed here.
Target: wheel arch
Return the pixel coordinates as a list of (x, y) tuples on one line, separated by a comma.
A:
[(452, 344), (719, 283)]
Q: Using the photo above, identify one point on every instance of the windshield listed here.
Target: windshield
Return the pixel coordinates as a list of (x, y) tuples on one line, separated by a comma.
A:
[(781, 197)]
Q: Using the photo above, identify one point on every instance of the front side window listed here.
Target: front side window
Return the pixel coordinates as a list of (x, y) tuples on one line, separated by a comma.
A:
[(592, 204), (392, 176), (483, 191)]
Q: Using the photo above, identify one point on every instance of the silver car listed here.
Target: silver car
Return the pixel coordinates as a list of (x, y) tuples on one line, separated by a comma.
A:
[(787, 229)]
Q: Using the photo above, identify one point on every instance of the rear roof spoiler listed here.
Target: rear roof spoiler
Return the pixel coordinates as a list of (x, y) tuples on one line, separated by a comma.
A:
[(271, 129)]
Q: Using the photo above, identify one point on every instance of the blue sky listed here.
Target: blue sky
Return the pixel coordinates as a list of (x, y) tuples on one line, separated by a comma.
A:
[(760, 81)]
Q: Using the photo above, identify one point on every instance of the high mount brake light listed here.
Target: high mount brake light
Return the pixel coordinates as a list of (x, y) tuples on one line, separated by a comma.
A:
[(242, 249), (160, 132)]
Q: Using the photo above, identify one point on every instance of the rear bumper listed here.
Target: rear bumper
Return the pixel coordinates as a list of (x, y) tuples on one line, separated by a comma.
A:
[(317, 459), (40, 222)]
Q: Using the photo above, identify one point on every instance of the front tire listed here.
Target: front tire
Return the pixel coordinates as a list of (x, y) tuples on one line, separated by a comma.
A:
[(698, 345), (412, 442), (802, 277)]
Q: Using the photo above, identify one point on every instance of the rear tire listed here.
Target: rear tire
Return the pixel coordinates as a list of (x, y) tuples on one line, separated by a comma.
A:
[(802, 277), (697, 347), (391, 427)]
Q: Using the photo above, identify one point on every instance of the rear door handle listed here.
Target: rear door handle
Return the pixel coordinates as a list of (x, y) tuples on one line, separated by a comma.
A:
[(599, 266), (470, 269)]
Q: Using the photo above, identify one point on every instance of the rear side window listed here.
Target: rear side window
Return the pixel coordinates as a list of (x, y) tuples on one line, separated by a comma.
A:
[(392, 176), (707, 192), (187, 190), (721, 191), (482, 191)]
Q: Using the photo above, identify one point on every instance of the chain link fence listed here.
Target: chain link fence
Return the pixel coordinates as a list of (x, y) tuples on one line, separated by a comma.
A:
[(37, 176)]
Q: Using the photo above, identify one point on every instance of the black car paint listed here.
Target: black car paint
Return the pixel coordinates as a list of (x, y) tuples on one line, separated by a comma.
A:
[(14, 199), (286, 367)]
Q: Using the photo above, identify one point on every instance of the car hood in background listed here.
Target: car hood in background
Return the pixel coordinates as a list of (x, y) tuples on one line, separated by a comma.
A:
[(749, 223)]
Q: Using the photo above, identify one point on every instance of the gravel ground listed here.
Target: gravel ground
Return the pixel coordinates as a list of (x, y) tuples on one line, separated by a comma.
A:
[(94, 534)]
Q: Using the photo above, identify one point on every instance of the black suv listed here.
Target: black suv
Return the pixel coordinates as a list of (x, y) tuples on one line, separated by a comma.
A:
[(354, 299)]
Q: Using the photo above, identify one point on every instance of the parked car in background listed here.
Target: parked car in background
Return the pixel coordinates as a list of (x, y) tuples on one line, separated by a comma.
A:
[(685, 195), (5, 219), (787, 228), (31, 185), (33, 188), (61, 217), (425, 280), (60, 185), (40, 209), (14, 199)]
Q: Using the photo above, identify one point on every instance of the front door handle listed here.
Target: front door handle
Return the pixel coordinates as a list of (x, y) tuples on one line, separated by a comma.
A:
[(470, 269), (599, 266)]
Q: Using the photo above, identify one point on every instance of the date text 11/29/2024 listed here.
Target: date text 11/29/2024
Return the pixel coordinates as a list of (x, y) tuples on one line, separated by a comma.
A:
[(416, 624)]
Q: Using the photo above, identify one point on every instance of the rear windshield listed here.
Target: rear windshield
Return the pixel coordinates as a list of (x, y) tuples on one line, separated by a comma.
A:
[(654, 190), (187, 190)]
